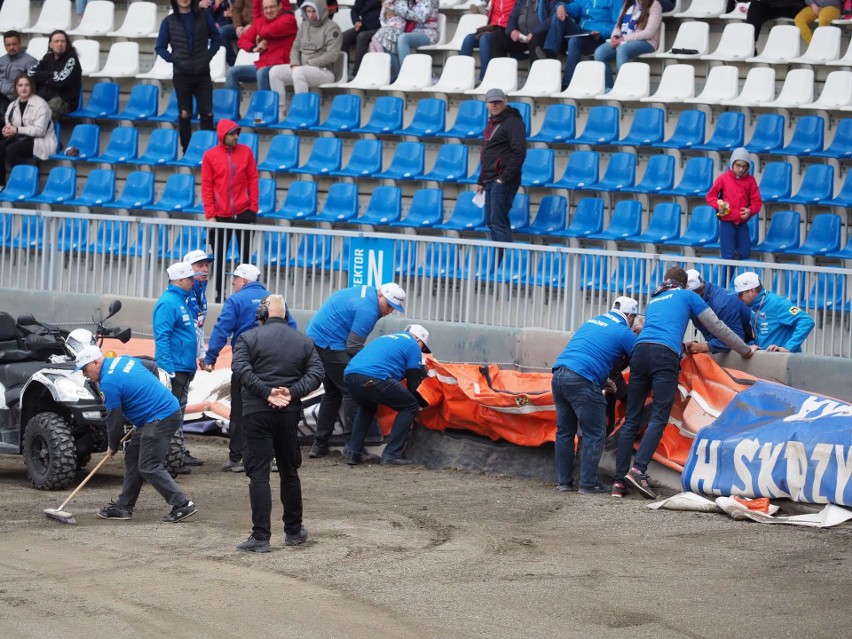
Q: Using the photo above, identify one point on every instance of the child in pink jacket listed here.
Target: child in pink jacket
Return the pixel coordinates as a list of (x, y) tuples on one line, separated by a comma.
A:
[(736, 198)]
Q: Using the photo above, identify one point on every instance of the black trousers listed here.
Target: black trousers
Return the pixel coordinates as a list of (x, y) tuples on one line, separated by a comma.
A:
[(220, 236), (180, 389), (236, 440), (502, 45), (334, 394), (15, 150), (268, 434), (361, 41), (188, 86)]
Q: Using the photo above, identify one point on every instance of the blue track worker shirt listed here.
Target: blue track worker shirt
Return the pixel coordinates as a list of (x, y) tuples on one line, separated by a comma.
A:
[(350, 310), (388, 357), (667, 315), (596, 346)]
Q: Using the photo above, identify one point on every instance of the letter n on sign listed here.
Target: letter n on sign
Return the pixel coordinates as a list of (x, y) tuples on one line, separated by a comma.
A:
[(370, 261)]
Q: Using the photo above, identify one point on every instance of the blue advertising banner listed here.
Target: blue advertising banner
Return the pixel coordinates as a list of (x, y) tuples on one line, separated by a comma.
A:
[(777, 442), (370, 261)]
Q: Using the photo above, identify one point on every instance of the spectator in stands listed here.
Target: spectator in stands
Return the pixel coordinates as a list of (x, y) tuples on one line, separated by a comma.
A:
[(58, 75), (778, 324), (220, 11), (728, 308), (498, 18), (526, 30), (28, 134), (313, 55), (15, 62), (654, 367), (422, 29), (242, 13), (272, 37), (365, 23), (189, 39), (81, 7), (391, 26), (580, 374), (636, 31), (736, 198), (578, 28), (760, 11), (502, 157), (820, 11)]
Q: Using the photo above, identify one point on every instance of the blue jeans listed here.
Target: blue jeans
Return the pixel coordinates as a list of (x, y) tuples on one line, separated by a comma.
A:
[(625, 53), (406, 42), (734, 241), (654, 369), (498, 203), (470, 43), (368, 392), (579, 403), (576, 47), (248, 73)]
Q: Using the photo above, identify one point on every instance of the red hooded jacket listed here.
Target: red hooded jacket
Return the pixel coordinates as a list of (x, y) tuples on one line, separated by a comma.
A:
[(278, 33), (739, 193), (228, 177)]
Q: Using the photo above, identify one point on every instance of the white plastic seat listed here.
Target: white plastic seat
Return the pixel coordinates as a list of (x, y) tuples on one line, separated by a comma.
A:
[(343, 19), (739, 12), (15, 14), (633, 82), (161, 70), (824, 47), (736, 43), (219, 67), (55, 14), (723, 83), (341, 71), (89, 53), (98, 19), (703, 9), (37, 47), (587, 82), (458, 76), (845, 61), (140, 21), (798, 89), (676, 84), (414, 73), (543, 80), (758, 88), (468, 23), (122, 61), (502, 73), (782, 45), (442, 30), (692, 35), (836, 92), (374, 72)]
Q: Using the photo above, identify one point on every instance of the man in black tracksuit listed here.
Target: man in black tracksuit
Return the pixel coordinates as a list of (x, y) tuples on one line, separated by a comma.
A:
[(276, 366), (502, 157)]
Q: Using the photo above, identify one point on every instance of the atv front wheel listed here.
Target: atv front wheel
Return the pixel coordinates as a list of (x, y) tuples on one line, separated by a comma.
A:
[(49, 452)]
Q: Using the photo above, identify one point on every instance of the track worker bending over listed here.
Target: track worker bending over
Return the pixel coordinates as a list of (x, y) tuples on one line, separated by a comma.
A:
[(276, 367), (654, 367), (373, 377), (579, 376), (132, 391)]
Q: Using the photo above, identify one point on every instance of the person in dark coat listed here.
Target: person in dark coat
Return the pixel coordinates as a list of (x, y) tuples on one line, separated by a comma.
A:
[(58, 76)]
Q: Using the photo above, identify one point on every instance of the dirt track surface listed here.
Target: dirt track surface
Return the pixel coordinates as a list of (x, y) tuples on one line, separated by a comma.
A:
[(408, 553)]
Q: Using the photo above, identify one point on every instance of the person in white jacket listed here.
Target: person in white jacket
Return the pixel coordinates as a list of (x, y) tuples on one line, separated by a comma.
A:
[(28, 133)]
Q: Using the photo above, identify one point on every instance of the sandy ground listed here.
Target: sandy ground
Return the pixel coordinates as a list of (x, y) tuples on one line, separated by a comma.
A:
[(409, 552)]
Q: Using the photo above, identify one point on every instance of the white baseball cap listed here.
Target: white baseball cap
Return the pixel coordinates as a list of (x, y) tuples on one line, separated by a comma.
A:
[(246, 271), (746, 281), (694, 281), (395, 296), (88, 355), (420, 333), (626, 305), (198, 256), (180, 270)]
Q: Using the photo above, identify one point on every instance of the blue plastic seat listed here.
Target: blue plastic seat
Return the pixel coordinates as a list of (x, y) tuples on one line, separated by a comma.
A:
[(581, 172), (199, 143), (587, 219), (341, 262), (86, 139), (7, 222), (275, 248), (267, 196), (526, 115), (688, 133), (162, 148), (226, 104), (407, 163), (594, 271), (426, 210), (728, 135), (519, 214), (262, 110), (473, 176), (841, 143), (384, 207), (252, 141), (123, 145), (768, 134), (73, 235), (314, 252), (844, 196), (702, 228), (782, 234), (808, 137), (31, 234), (178, 194), (828, 292), (303, 113), (776, 182), (629, 277), (484, 263), (142, 104), (601, 127), (60, 187), (552, 215), (21, 184), (429, 120), (170, 114), (450, 164), (344, 114), (844, 254), (466, 216), (364, 161), (549, 271), (99, 189), (620, 172), (341, 204), (282, 154), (188, 239), (823, 236), (471, 117), (647, 128), (440, 261), (326, 156), (299, 203), (664, 225), (659, 176), (559, 124), (538, 168), (404, 256), (103, 102), (151, 240), (817, 186), (696, 180), (138, 191), (111, 238), (386, 116), (626, 221)]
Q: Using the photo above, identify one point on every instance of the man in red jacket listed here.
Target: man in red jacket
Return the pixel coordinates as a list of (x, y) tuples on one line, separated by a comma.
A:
[(229, 193)]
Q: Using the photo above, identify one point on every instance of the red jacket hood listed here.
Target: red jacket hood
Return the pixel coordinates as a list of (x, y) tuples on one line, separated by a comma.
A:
[(224, 127)]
